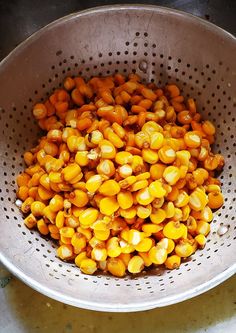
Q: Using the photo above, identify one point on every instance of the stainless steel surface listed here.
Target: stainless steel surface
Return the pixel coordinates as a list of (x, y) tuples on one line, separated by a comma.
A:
[(176, 47)]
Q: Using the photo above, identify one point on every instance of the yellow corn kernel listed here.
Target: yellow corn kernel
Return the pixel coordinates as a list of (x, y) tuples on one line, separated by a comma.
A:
[(60, 219), (26, 205), (156, 189), (125, 170), (78, 241), (191, 224), (106, 167), (184, 249), (108, 206), (144, 245), (125, 199), (119, 130), (183, 170), (53, 229), (102, 234), (150, 156), (171, 175), (200, 175), (201, 240), (123, 157), (116, 267), (81, 158), (126, 248), (79, 198), (45, 182), (76, 143), (136, 265), (96, 242), (67, 232), (44, 194), (174, 230), (151, 228), (143, 176), (30, 221), (55, 177), (65, 252), (185, 212), (182, 199), (42, 227), (158, 216), (206, 214), (125, 257), (213, 188), (108, 150), (138, 185), (56, 203), (96, 137), (156, 140), (109, 188), (144, 212), (135, 237), (198, 199), (64, 240), (37, 208), (144, 197), (166, 154), (203, 228), (128, 213), (50, 215), (81, 256), (146, 259), (173, 262), (169, 209), (137, 163), (183, 157), (178, 215), (88, 266), (166, 243), (151, 126), (113, 247), (142, 140), (115, 140), (71, 171), (99, 254), (157, 170), (100, 225), (94, 183), (208, 127), (157, 255), (125, 183), (86, 232), (88, 216)]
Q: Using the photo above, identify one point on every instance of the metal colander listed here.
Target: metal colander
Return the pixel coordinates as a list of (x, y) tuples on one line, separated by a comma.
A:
[(161, 45)]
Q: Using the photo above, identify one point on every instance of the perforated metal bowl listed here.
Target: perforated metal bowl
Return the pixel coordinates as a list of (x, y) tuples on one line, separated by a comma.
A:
[(161, 45)]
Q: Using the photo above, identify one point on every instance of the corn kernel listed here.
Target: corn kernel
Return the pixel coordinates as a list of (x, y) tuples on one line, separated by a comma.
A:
[(144, 211), (65, 252), (182, 199), (158, 216), (108, 150), (125, 199), (146, 259), (151, 228), (88, 216), (123, 157), (79, 198), (144, 197), (109, 188), (144, 245), (150, 156), (108, 206), (201, 240), (156, 140), (116, 267), (173, 262), (157, 255), (174, 230), (136, 264), (81, 256), (30, 221), (135, 237), (102, 234), (113, 247), (99, 254), (203, 228), (125, 183), (192, 139), (78, 241), (166, 154), (156, 189), (88, 266), (198, 199), (171, 175), (37, 208), (184, 250), (157, 170), (42, 227), (128, 213)]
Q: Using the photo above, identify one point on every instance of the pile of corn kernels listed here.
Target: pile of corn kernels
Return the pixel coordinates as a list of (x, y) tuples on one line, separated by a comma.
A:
[(124, 176)]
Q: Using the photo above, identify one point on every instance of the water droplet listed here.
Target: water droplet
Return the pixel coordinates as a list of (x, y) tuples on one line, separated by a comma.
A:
[(143, 65), (222, 230)]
